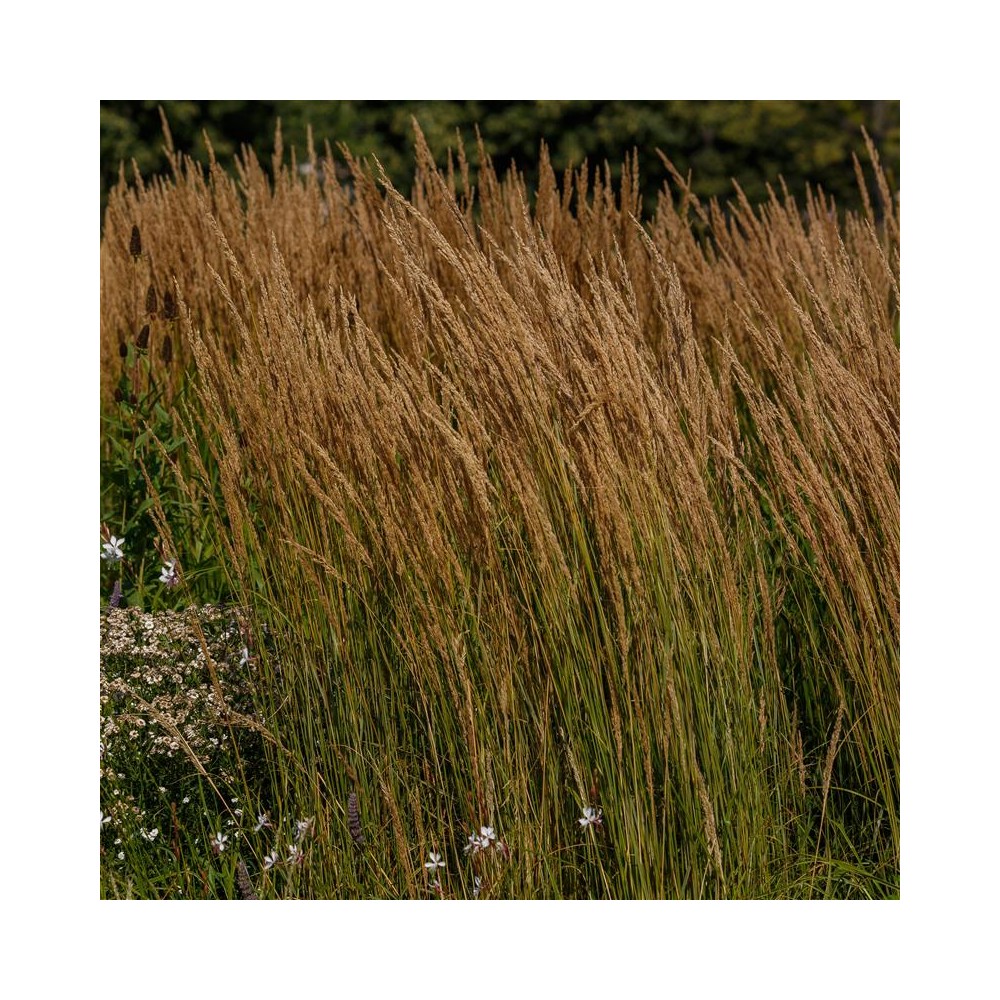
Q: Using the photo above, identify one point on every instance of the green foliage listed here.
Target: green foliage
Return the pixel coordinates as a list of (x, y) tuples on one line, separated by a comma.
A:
[(754, 142), (142, 447)]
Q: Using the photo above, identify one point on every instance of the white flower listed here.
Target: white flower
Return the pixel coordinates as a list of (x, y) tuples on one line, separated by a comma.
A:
[(262, 821), (302, 828), (481, 841), (169, 576), (244, 656), (590, 817), (121, 855), (271, 859), (435, 861), (436, 884), (105, 819), (220, 841), (294, 853), (149, 835), (113, 549), (477, 885)]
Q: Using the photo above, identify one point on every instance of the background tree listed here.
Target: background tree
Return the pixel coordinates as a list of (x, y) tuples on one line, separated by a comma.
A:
[(753, 142)]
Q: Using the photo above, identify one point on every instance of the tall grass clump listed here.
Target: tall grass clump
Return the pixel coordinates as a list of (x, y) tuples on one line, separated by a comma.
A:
[(568, 541)]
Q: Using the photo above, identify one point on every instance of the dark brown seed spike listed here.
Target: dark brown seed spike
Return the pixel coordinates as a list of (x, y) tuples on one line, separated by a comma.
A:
[(135, 243), (243, 883), (354, 820), (143, 339)]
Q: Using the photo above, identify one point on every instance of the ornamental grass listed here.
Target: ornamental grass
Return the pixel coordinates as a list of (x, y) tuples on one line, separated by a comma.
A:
[(545, 520)]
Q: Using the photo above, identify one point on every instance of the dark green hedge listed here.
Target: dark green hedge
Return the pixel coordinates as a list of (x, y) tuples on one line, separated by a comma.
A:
[(751, 141)]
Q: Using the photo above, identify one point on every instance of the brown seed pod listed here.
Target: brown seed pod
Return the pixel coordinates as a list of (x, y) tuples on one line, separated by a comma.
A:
[(354, 820), (169, 306), (135, 244), (167, 351), (243, 884), (151, 301), (143, 339)]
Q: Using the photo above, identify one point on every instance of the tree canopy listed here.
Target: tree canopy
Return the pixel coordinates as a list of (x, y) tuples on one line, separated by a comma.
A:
[(755, 143)]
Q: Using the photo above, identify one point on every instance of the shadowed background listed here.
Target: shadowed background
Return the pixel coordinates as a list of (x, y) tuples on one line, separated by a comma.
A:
[(754, 142)]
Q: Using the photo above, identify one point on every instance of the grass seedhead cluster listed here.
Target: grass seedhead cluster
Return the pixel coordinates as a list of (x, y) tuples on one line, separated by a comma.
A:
[(561, 520)]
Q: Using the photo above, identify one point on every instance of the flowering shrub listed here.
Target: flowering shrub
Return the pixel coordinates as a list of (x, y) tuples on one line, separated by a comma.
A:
[(156, 693)]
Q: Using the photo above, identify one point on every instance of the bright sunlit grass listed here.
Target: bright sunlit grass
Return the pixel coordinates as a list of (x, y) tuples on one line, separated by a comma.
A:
[(501, 545)]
